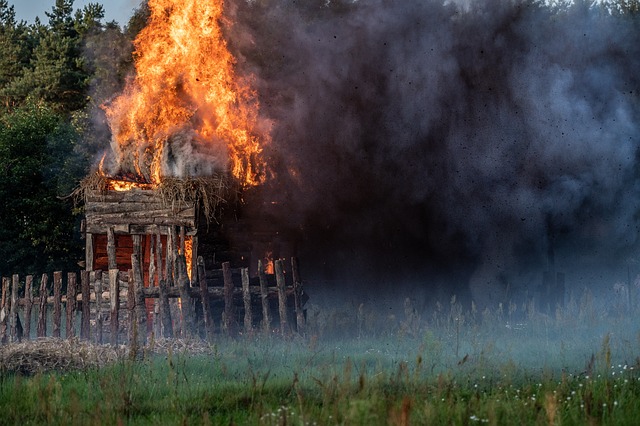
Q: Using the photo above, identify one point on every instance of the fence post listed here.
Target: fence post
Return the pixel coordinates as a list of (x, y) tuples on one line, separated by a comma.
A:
[(28, 305), (264, 296), (85, 327), (186, 304), (57, 303), (114, 302), (246, 298), (96, 277), (42, 313), (282, 297), (71, 304), (4, 315), (297, 295), (229, 309), (13, 310), (204, 294), (138, 295)]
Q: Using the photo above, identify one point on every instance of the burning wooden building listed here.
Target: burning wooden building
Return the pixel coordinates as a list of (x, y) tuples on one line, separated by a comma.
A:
[(173, 236)]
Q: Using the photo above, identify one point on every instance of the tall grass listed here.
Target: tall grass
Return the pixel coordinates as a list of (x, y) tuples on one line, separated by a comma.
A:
[(509, 365)]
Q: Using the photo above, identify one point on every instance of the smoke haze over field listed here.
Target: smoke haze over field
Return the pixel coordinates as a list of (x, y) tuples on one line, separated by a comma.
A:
[(418, 140)]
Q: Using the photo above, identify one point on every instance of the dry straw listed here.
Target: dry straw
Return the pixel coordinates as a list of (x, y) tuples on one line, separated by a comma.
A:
[(210, 192)]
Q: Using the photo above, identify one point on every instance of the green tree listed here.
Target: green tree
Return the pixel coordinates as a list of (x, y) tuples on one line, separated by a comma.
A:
[(37, 227)]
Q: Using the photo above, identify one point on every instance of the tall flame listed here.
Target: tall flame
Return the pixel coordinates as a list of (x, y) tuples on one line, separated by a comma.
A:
[(185, 112)]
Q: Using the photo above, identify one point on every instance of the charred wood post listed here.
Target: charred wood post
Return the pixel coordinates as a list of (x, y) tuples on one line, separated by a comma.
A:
[(96, 278), (85, 326), (282, 297), (28, 304), (42, 312), (88, 254), (71, 304), (204, 294), (264, 298), (297, 295), (57, 303), (114, 301), (229, 314), (246, 298)]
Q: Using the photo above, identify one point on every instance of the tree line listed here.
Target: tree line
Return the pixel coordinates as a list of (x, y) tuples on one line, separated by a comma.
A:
[(54, 76)]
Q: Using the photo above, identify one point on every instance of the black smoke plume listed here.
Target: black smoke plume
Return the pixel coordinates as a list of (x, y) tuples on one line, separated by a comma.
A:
[(450, 145)]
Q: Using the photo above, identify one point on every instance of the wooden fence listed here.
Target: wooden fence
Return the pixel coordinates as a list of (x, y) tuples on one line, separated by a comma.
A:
[(121, 310)]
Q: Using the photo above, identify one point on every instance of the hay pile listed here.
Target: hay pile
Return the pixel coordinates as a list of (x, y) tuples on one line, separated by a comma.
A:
[(51, 354), (62, 355)]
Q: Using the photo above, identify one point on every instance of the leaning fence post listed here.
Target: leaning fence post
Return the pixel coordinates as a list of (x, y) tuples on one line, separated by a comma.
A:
[(42, 313), (282, 297), (57, 303), (71, 304)]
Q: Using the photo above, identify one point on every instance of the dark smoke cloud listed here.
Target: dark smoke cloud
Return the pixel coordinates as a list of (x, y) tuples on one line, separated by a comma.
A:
[(418, 140)]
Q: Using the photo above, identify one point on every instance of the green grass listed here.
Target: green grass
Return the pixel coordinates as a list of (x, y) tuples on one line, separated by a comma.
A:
[(453, 368)]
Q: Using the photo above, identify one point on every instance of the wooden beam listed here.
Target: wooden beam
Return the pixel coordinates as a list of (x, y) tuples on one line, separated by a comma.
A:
[(85, 325), (297, 295)]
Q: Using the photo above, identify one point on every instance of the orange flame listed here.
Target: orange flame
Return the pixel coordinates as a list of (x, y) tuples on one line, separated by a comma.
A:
[(185, 100)]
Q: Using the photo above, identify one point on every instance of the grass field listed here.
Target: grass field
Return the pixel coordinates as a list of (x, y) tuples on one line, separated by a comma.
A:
[(579, 366)]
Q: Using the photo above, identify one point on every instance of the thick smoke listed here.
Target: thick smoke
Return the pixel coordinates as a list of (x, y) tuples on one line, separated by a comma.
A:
[(448, 145)]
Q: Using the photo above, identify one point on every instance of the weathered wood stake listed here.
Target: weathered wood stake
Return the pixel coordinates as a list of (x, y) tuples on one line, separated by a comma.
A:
[(114, 301), (229, 308), (3, 310), (13, 309), (139, 305), (71, 304), (297, 295), (41, 330), (206, 307), (28, 305), (57, 303), (246, 298), (96, 278), (264, 296), (186, 304), (282, 297), (85, 326)]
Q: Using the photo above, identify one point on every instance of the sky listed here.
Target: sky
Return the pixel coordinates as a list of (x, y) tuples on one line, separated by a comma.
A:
[(118, 10)]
